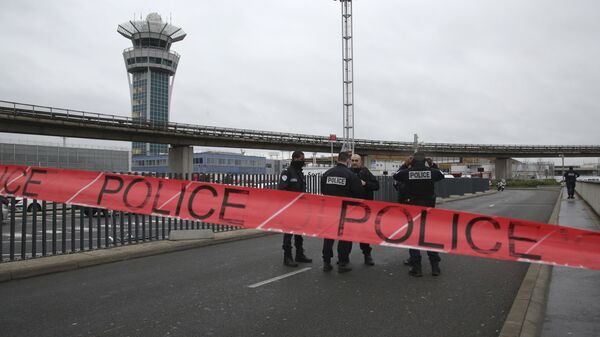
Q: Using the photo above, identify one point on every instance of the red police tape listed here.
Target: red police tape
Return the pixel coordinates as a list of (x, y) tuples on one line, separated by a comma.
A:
[(383, 223)]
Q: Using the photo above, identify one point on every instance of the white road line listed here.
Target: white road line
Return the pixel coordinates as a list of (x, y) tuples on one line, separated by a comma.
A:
[(255, 285), (385, 243), (279, 212), (175, 196), (537, 243), (83, 189)]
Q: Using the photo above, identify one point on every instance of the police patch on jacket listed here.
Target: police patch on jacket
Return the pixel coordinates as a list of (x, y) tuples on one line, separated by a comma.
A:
[(418, 175), (284, 177), (336, 181)]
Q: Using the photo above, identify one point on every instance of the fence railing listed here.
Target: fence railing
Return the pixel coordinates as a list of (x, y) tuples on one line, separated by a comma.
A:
[(32, 228)]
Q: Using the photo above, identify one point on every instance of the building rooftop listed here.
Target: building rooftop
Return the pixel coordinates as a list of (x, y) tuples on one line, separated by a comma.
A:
[(152, 24)]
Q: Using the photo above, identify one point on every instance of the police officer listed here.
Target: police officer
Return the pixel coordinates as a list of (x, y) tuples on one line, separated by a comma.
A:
[(292, 179), (342, 182), (369, 185), (570, 178), (402, 187), (420, 180)]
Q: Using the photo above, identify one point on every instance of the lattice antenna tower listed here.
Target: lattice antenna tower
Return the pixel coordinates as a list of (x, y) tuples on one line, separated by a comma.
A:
[(348, 75)]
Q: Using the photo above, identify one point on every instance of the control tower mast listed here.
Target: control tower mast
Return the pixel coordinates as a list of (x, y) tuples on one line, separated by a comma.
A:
[(348, 77), (151, 67)]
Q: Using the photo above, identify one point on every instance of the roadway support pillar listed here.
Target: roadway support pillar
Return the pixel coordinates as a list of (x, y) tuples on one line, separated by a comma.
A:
[(503, 168), (181, 159)]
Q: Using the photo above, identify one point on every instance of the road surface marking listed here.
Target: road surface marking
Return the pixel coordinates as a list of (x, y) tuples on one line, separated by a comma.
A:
[(255, 285), (278, 212), (84, 188)]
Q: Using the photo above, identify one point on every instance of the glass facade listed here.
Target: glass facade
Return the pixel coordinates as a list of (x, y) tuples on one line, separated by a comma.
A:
[(156, 112), (64, 157), (139, 104)]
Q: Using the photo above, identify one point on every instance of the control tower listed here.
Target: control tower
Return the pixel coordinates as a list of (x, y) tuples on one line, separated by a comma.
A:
[(151, 67)]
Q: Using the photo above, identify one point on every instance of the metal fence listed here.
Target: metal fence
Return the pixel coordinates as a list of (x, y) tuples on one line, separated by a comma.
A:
[(32, 228)]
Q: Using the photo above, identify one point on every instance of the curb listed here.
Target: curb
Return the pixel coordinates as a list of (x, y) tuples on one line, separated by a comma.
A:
[(466, 196), (526, 315), (59, 263)]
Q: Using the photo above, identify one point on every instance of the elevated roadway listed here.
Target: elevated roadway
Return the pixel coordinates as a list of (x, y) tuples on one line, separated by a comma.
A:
[(43, 120)]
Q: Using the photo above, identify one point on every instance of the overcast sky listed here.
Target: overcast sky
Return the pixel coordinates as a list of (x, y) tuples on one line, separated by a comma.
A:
[(510, 72)]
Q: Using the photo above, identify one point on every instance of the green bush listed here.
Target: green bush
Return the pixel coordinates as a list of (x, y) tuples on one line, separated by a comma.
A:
[(528, 182)]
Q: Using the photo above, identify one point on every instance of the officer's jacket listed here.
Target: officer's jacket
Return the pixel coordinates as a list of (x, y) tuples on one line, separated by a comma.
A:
[(401, 186), (571, 176), (371, 183), (421, 183), (342, 182), (292, 179)]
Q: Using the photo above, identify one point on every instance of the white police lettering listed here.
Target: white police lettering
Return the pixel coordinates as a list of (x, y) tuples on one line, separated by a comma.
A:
[(336, 181), (293, 180), (412, 175)]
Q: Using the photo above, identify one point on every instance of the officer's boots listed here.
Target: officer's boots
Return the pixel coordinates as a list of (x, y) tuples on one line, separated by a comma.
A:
[(415, 270), (435, 268), (288, 260), (300, 257), (369, 260), (327, 266), (344, 267)]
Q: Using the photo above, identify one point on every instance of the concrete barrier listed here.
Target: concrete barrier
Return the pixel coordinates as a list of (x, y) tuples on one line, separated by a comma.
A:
[(590, 192)]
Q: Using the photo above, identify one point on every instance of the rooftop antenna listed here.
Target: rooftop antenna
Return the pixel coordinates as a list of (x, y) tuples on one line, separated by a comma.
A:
[(416, 143)]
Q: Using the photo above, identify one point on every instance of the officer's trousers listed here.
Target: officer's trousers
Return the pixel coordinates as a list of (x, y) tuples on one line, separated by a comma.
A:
[(366, 248), (571, 189), (415, 256), (287, 244), (343, 248)]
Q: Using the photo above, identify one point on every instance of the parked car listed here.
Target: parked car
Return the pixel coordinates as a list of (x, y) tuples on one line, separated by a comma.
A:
[(92, 211), (31, 205)]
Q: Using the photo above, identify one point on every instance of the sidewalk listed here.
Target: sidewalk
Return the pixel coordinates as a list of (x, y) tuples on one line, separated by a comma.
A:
[(573, 306)]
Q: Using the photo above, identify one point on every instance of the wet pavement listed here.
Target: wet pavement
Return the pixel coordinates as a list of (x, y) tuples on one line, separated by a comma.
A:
[(573, 307)]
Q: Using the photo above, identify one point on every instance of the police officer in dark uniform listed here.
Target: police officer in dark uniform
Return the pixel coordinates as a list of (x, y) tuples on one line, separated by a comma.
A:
[(420, 180), (400, 186), (570, 178), (342, 182), (292, 179), (369, 185)]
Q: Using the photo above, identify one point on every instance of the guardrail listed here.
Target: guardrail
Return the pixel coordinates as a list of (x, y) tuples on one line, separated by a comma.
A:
[(590, 192)]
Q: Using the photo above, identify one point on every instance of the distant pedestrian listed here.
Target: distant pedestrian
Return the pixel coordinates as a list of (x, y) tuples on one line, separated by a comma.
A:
[(420, 180), (570, 178), (342, 182), (369, 185), (292, 179)]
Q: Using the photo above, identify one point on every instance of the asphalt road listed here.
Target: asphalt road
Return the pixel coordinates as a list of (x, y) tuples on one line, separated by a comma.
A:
[(205, 292)]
